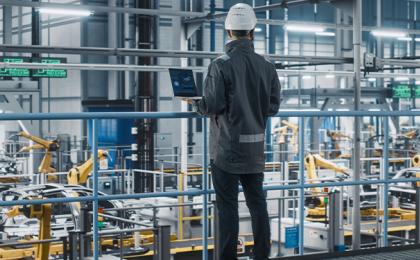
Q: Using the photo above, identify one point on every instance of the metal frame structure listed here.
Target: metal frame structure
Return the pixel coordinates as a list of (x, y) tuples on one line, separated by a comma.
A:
[(205, 191)]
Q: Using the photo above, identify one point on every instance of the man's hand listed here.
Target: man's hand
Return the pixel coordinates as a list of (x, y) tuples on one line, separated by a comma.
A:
[(186, 100)]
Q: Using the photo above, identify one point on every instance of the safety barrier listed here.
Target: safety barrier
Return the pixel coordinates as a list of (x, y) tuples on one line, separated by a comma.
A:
[(204, 192)]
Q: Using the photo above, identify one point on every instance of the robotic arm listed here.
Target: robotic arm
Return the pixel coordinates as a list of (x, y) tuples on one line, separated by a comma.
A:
[(81, 173), (403, 122), (334, 137), (313, 161), (50, 146), (412, 135), (295, 130), (371, 130), (42, 212), (283, 131)]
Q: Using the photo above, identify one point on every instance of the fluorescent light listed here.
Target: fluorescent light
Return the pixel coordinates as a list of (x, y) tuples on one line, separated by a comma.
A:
[(307, 77), (258, 29), (330, 76), (281, 78), (325, 33), (417, 39), (371, 79), (343, 109), (297, 28), (417, 82), (405, 39), (66, 12), (388, 34), (401, 79)]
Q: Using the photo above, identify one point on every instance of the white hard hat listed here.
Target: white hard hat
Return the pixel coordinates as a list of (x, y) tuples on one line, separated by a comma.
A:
[(240, 17)]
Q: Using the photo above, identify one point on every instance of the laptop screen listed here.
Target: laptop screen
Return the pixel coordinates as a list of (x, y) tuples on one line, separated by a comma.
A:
[(183, 83)]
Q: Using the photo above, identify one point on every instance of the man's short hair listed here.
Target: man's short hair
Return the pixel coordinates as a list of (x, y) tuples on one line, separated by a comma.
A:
[(240, 33)]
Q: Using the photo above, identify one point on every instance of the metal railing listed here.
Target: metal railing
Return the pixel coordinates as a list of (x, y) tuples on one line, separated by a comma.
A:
[(205, 191)]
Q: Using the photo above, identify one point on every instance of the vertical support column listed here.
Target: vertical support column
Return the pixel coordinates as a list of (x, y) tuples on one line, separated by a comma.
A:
[(162, 243), (357, 39), (216, 240), (334, 220), (386, 177), (417, 220), (95, 187), (112, 43), (301, 182), (212, 27), (270, 38), (7, 25), (205, 176), (379, 42)]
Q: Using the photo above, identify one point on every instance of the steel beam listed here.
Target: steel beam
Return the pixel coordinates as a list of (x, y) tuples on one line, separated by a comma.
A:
[(99, 9), (283, 5), (357, 41), (159, 53)]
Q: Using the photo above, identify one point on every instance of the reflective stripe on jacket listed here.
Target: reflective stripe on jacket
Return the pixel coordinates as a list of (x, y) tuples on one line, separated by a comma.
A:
[(240, 92)]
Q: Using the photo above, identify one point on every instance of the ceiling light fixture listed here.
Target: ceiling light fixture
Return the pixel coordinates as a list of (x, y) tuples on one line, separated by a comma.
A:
[(258, 29), (65, 12), (405, 39), (330, 76), (371, 79), (388, 34), (307, 77), (297, 28), (325, 33), (401, 79)]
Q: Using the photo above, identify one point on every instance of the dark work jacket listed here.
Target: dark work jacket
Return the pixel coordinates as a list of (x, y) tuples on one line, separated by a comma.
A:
[(240, 92)]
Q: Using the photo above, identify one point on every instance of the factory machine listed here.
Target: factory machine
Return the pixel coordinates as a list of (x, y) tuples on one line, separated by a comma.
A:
[(131, 227)]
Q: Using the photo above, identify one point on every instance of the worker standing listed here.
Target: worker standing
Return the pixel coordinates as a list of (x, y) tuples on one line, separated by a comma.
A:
[(240, 92)]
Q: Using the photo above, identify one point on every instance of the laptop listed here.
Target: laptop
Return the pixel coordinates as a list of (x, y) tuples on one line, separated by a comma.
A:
[(183, 83)]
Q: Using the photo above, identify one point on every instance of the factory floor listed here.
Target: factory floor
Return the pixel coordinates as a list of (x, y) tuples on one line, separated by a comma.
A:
[(399, 255)]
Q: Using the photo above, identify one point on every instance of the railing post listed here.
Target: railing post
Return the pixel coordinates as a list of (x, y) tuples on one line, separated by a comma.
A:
[(95, 188), (386, 176), (302, 181), (204, 182)]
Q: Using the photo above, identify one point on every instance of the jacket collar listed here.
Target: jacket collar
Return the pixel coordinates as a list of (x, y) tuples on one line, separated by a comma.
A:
[(245, 45)]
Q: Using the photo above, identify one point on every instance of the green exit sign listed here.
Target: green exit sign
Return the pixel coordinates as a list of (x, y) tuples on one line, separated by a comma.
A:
[(49, 73), (401, 91), (14, 72), (416, 91)]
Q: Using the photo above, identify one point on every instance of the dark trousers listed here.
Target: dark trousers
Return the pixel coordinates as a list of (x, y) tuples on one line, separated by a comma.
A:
[(226, 186)]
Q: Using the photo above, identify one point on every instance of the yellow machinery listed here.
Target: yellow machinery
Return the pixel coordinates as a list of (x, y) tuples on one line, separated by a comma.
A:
[(315, 204), (412, 135), (295, 130), (283, 131), (50, 146), (42, 212), (371, 130), (80, 174), (334, 137), (403, 122)]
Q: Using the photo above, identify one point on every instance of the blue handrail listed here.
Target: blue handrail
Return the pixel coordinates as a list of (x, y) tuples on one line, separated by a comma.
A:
[(204, 192)]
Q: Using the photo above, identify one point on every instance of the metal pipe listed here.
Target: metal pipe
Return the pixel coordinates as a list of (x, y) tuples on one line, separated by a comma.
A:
[(158, 115), (120, 219), (386, 178), (44, 241), (357, 38), (120, 231), (158, 53), (95, 188), (302, 181), (204, 184)]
